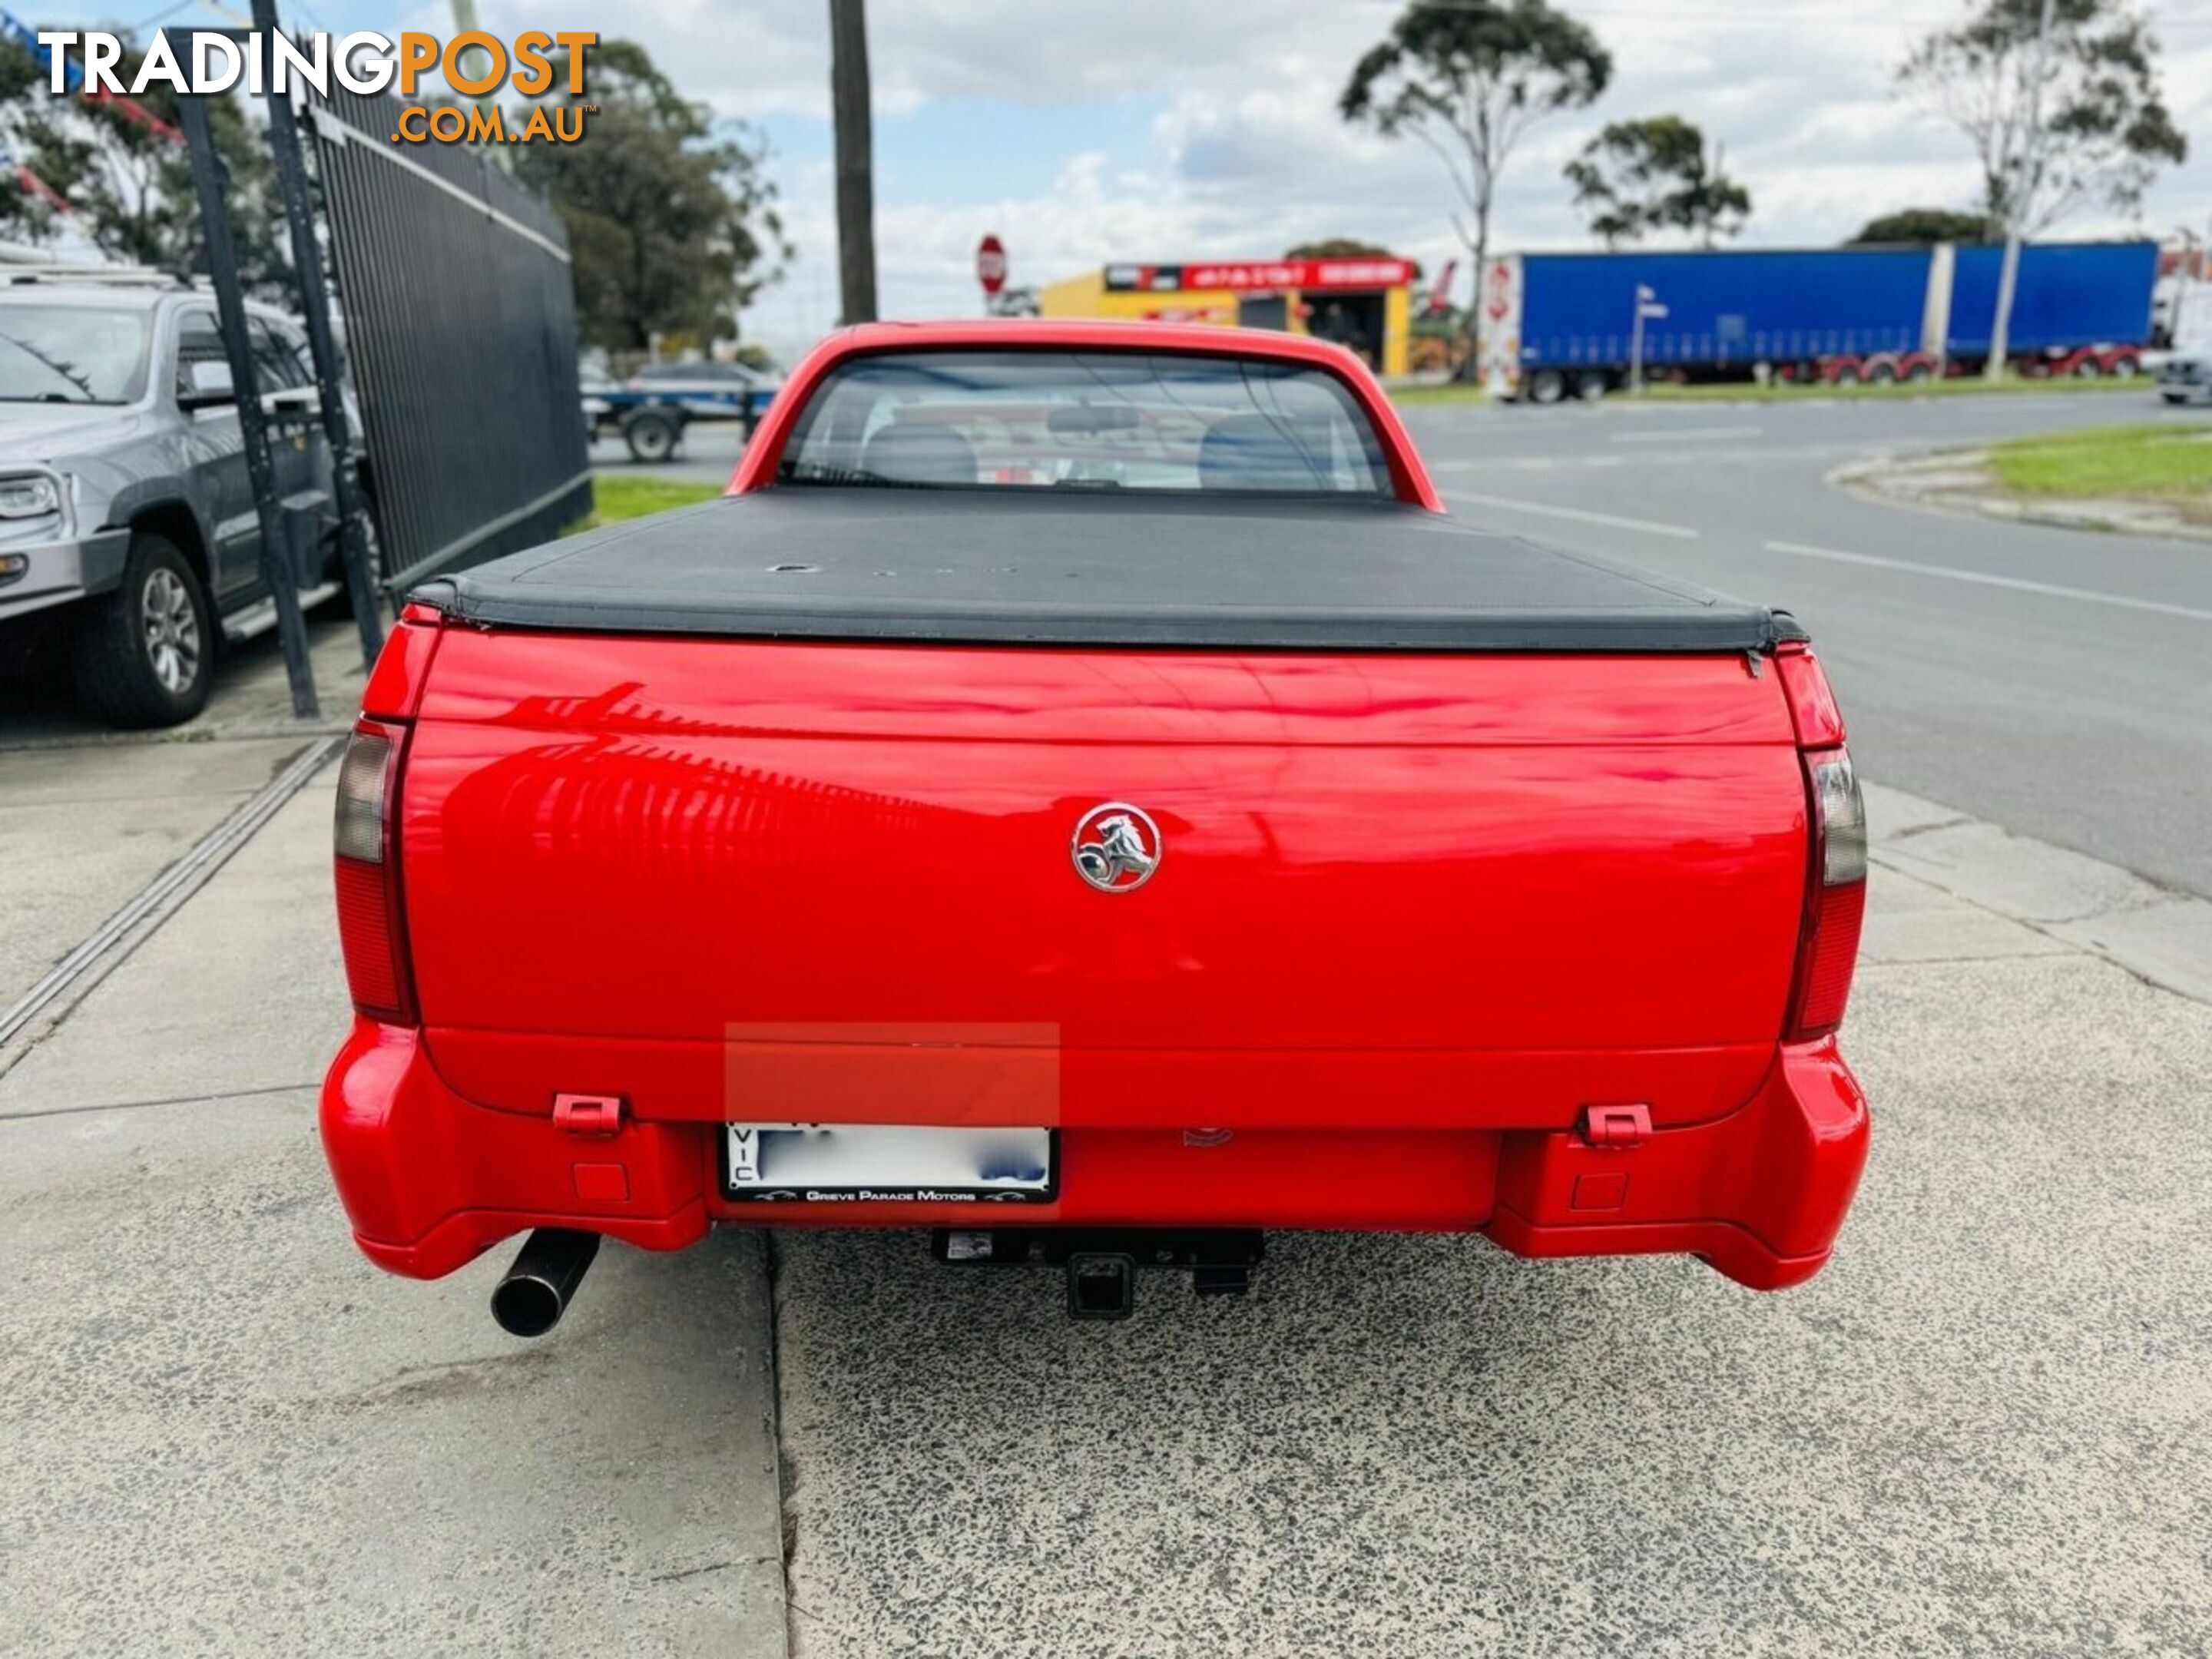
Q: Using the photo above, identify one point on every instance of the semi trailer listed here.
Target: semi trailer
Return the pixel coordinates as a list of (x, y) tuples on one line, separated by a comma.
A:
[(1555, 325)]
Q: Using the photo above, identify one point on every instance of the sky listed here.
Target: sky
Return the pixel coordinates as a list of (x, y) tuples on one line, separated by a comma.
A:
[(1084, 132)]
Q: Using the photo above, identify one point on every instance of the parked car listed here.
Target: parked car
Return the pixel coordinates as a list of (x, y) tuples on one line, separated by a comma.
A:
[(2184, 375), (127, 521), (652, 409), (709, 390), (1080, 794), (2183, 372)]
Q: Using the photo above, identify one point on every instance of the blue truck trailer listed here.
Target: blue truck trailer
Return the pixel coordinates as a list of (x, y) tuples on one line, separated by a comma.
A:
[(1554, 325)]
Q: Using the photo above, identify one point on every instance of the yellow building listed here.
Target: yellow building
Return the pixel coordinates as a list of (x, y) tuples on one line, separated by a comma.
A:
[(1359, 301)]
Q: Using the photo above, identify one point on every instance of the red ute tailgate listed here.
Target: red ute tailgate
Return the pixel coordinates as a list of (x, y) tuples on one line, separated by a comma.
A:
[(833, 882)]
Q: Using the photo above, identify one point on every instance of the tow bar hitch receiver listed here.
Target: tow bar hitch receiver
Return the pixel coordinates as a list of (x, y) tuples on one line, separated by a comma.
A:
[(1101, 1285), (1102, 1262)]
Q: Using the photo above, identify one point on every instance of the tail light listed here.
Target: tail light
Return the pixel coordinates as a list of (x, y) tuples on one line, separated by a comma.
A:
[(367, 847), (1835, 899)]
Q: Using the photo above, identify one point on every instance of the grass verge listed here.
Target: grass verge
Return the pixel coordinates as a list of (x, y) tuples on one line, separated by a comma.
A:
[(2169, 463), (617, 496)]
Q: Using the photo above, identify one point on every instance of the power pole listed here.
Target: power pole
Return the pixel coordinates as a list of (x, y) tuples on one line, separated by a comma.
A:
[(856, 190), (2028, 167)]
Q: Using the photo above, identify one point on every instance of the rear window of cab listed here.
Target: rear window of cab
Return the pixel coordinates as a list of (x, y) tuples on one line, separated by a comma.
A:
[(1039, 419)]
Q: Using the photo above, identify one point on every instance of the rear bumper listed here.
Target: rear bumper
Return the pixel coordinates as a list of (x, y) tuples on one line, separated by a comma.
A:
[(1759, 1194), (430, 1179)]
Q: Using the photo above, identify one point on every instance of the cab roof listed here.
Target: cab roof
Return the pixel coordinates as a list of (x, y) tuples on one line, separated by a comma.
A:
[(1077, 332), (1409, 478)]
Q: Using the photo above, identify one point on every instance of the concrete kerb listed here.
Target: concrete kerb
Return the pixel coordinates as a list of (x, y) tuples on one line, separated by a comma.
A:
[(2161, 936), (1959, 482)]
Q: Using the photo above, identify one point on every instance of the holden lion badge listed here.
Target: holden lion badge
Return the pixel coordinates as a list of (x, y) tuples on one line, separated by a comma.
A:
[(1116, 847)]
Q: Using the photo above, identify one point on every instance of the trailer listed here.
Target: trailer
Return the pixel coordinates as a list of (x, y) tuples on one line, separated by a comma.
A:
[(1560, 325)]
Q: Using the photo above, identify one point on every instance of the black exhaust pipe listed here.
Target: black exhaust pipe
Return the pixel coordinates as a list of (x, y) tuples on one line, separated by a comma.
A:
[(538, 1287)]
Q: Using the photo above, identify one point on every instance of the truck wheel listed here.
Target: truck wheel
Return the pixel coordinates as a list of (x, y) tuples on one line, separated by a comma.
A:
[(1591, 384), (2124, 365), (1546, 385), (144, 654), (652, 438), (2087, 367), (1881, 372), (1918, 372), (1845, 373)]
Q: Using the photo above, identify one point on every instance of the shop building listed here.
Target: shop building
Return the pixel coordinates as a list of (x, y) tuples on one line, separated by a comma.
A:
[(1361, 302)]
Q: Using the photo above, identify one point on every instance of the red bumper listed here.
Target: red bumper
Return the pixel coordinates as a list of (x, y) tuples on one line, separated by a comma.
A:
[(431, 1179), (1760, 1194)]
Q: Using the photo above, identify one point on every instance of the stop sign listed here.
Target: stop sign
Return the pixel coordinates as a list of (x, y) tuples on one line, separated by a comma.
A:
[(990, 264)]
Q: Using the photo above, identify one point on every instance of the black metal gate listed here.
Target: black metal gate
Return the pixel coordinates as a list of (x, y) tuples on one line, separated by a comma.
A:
[(460, 323)]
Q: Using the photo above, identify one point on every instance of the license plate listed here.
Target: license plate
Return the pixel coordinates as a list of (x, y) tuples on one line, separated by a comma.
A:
[(888, 1162)]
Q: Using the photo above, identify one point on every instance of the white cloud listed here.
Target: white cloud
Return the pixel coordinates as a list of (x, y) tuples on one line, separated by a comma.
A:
[(1249, 154)]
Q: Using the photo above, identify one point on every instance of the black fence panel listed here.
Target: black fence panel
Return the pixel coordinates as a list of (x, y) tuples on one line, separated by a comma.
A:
[(461, 320)]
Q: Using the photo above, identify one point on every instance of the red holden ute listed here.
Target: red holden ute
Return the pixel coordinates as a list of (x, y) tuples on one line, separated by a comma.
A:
[(1078, 793)]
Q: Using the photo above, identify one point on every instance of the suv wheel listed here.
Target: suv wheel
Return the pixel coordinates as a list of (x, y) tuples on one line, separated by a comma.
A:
[(145, 653)]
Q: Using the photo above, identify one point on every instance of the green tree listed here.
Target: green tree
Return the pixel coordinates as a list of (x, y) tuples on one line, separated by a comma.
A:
[(2092, 126), (1656, 174), (672, 223), (1468, 79), (129, 184), (1925, 225)]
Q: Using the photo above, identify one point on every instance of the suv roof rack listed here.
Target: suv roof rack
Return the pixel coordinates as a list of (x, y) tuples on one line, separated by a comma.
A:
[(98, 275)]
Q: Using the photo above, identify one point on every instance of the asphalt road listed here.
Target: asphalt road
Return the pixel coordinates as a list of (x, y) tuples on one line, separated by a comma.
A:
[(2081, 717)]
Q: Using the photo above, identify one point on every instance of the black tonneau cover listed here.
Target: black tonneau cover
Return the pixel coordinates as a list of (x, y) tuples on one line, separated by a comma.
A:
[(1093, 568)]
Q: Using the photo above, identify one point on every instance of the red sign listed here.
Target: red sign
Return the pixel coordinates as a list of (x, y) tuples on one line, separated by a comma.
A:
[(1501, 291), (990, 264), (1246, 276), (1305, 274)]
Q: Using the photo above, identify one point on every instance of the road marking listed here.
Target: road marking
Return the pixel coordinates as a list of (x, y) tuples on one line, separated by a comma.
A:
[(1983, 579), (1687, 432), (1545, 510)]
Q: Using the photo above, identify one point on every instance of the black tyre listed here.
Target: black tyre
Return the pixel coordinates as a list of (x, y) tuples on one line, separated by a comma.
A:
[(1590, 385), (651, 436), (144, 654), (1546, 385)]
